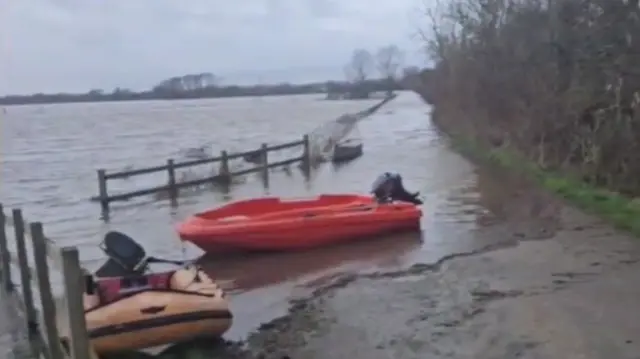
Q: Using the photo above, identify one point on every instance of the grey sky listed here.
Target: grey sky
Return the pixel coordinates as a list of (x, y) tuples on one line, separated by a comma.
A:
[(76, 45)]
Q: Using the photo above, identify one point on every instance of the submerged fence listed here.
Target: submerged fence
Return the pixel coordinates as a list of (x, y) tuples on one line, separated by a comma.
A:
[(222, 176)]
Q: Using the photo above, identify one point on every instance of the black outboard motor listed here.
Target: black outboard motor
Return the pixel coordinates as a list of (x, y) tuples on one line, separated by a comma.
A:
[(388, 187), (125, 256)]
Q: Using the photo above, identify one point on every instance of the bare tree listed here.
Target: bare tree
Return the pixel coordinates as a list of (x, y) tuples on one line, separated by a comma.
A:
[(389, 60), (535, 78), (207, 79), (190, 82), (360, 66), (176, 84)]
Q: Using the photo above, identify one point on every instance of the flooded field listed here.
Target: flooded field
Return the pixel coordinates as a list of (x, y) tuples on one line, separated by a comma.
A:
[(50, 154)]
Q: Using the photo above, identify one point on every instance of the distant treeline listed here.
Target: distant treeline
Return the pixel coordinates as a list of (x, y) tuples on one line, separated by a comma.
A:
[(194, 86)]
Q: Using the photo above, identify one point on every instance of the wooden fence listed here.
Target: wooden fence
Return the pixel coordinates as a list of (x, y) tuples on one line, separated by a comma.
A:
[(223, 176), (57, 330)]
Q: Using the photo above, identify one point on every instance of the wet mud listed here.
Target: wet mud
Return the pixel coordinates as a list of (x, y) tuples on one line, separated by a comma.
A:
[(551, 282)]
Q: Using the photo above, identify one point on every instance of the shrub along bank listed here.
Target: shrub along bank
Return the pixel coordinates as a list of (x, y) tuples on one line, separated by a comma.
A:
[(545, 87), (620, 210)]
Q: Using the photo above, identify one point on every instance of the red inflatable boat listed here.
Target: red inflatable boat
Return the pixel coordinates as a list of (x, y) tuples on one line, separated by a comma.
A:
[(275, 224)]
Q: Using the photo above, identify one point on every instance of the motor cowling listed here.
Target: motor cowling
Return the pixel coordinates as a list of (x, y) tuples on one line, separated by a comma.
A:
[(388, 187), (125, 256)]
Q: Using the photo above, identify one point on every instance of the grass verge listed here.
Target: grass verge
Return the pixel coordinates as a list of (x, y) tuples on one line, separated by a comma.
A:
[(621, 211)]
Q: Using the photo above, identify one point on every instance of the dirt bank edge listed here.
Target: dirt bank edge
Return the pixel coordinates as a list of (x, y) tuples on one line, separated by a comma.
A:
[(620, 211)]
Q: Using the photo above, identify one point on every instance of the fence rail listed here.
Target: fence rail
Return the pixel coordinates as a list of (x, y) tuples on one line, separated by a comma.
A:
[(48, 333), (223, 175)]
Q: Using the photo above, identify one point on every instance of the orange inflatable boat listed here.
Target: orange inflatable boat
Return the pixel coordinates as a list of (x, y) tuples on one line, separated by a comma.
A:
[(280, 224), (134, 310)]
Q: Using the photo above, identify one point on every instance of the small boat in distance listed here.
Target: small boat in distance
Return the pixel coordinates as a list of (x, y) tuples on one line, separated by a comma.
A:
[(278, 224), (347, 150)]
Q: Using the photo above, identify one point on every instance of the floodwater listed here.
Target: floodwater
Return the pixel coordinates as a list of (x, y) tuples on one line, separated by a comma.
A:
[(50, 155)]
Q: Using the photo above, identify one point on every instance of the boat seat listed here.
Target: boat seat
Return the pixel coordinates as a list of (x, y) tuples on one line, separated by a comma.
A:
[(112, 289)]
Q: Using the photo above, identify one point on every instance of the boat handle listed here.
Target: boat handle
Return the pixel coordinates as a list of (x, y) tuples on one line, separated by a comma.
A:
[(153, 309)]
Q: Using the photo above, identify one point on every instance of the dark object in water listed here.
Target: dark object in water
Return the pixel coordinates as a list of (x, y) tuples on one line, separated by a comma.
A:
[(388, 187), (199, 153), (347, 150), (254, 157)]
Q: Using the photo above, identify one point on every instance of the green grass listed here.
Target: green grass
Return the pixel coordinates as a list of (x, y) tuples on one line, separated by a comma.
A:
[(621, 211)]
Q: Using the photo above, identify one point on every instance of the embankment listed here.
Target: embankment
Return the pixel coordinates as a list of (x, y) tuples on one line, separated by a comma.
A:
[(620, 210), (526, 86)]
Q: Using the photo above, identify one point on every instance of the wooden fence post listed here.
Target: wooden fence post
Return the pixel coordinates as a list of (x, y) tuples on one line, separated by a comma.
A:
[(5, 257), (264, 155), (306, 154), (224, 174), (74, 283), (102, 192), (44, 286), (173, 189), (25, 275)]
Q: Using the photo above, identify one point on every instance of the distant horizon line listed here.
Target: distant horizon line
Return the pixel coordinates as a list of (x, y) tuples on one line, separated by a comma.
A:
[(147, 90), (235, 75), (223, 76), (106, 91)]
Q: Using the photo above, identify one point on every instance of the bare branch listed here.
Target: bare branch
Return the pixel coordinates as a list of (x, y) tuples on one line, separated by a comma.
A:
[(558, 80), (360, 67)]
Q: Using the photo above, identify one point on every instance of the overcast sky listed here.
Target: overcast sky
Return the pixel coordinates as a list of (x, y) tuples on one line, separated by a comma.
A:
[(77, 45)]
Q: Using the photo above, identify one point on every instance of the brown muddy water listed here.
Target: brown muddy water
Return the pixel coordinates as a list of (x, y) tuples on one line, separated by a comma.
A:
[(50, 154)]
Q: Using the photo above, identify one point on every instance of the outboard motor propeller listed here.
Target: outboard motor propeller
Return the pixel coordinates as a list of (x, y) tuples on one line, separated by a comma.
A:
[(388, 187)]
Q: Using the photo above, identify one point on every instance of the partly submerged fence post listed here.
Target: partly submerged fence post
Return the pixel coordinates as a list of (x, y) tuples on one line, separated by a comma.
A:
[(25, 275), (264, 155), (5, 257), (173, 189), (74, 283), (306, 155), (224, 174), (103, 196), (44, 286)]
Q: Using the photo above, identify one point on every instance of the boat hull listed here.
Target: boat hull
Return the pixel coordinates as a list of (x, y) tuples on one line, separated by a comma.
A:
[(344, 153), (266, 242), (186, 310), (302, 228)]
